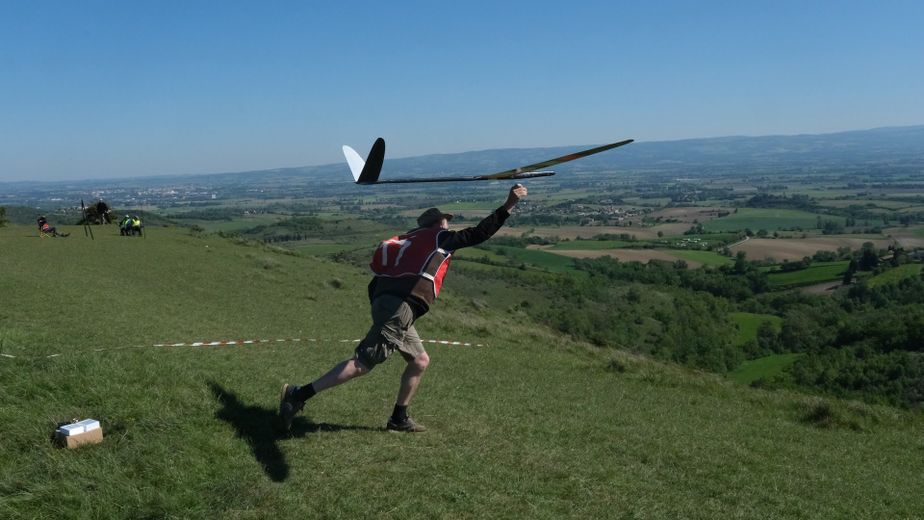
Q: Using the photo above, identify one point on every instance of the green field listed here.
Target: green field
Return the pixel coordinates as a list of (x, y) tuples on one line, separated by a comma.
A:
[(535, 258), (867, 203), (895, 274), (765, 367), (533, 425), (704, 257), (480, 253), (769, 219), (748, 322), (816, 273)]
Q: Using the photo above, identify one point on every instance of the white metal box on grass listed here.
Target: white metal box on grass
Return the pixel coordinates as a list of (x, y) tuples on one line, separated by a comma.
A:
[(87, 431)]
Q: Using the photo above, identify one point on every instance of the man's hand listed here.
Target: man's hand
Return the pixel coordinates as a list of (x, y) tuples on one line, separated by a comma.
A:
[(517, 192)]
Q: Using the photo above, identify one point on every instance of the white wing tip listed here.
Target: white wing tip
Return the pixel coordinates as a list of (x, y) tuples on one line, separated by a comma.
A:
[(355, 161)]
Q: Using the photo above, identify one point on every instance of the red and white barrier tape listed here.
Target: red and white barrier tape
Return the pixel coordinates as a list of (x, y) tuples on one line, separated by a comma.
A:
[(223, 343), (296, 340)]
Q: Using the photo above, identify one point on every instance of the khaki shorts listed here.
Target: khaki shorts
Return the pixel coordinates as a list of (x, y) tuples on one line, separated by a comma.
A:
[(392, 329)]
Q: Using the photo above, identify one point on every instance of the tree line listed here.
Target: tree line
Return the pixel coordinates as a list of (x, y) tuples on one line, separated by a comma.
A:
[(866, 342)]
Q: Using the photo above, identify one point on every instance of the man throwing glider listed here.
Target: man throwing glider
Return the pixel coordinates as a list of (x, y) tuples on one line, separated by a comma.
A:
[(409, 271)]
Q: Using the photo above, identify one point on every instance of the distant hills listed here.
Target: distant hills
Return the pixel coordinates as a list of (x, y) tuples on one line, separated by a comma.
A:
[(894, 144), (894, 147), (899, 147)]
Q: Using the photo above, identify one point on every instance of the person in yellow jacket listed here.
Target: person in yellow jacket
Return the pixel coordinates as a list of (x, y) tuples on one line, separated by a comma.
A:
[(137, 226)]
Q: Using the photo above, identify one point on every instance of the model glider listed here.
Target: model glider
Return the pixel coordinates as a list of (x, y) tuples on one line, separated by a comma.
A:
[(367, 172)]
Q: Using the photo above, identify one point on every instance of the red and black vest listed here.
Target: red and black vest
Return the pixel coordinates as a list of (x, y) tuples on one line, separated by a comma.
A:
[(414, 262)]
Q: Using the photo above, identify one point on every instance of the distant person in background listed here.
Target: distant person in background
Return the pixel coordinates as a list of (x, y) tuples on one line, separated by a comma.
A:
[(125, 226), (409, 271), (137, 225), (47, 229), (103, 212)]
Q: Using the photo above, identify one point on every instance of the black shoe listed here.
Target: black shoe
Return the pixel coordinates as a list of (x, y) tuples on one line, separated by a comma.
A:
[(289, 406), (407, 425)]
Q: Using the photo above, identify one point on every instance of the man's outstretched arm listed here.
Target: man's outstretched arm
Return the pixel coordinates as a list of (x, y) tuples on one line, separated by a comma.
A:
[(473, 236)]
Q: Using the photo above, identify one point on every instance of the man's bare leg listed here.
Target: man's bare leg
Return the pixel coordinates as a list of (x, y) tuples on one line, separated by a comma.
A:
[(293, 398), (343, 372), (410, 379)]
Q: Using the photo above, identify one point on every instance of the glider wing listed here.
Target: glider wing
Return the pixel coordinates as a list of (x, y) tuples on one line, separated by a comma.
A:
[(367, 172)]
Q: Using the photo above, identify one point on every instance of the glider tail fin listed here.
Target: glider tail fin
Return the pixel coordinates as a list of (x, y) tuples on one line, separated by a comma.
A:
[(366, 172), (355, 161)]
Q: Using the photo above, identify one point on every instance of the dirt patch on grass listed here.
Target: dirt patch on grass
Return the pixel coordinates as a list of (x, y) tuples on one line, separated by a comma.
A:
[(909, 237), (797, 248)]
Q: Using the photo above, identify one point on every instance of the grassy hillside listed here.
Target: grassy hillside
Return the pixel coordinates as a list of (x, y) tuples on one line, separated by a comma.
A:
[(896, 274), (748, 323), (763, 368), (533, 425)]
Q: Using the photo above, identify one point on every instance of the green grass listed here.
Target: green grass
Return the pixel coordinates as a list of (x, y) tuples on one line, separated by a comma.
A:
[(535, 258), (704, 257), (895, 274), (539, 265), (765, 367), (321, 249), (480, 253), (919, 231), (748, 322), (532, 426), (769, 219), (816, 273)]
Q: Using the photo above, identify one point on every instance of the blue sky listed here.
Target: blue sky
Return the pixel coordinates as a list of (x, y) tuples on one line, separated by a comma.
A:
[(95, 89)]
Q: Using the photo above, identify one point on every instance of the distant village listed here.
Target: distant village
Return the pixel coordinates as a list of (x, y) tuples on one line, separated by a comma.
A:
[(605, 212)]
